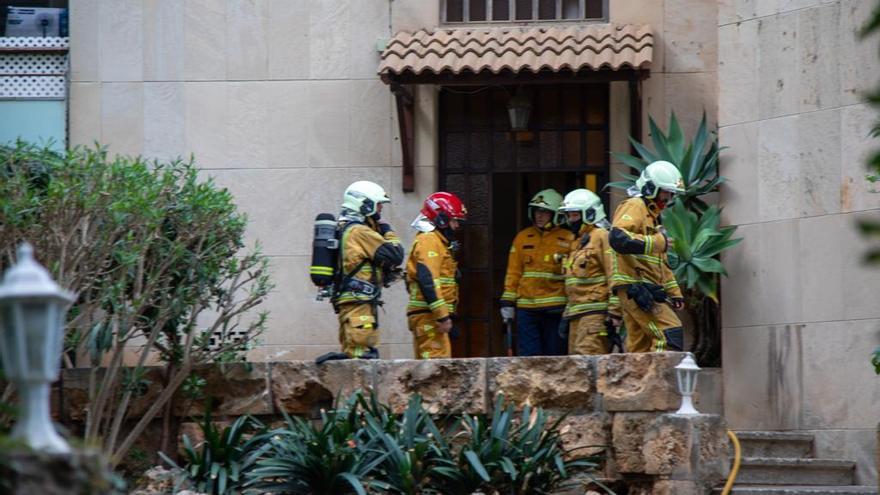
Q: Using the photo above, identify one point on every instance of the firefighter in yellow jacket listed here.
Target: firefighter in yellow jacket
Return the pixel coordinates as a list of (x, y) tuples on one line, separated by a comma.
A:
[(591, 307), (534, 291), (432, 275), (369, 252), (642, 279)]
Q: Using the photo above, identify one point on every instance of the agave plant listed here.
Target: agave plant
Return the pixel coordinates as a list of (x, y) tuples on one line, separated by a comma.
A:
[(335, 457), (218, 465), (697, 164), (698, 239)]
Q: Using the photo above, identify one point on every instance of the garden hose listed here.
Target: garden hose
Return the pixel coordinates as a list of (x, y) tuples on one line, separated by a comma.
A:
[(737, 454)]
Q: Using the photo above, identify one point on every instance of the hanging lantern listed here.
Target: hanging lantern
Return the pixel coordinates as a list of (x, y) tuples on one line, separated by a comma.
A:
[(686, 374), (519, 108), (32, 315)]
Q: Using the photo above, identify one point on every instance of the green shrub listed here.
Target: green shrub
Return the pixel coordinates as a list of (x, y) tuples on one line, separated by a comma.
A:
[(151, 249)]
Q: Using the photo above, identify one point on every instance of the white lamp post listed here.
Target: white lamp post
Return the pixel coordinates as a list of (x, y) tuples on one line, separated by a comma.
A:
[(32, 312), (686, 374), (519, 108)]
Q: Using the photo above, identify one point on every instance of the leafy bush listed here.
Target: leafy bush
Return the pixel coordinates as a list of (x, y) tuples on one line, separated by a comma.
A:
[(698, 241), (151, 249), (217, 465)]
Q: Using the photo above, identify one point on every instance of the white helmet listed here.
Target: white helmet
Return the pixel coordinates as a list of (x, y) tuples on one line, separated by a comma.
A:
[(659, 175), (587, 203), (364, 197)]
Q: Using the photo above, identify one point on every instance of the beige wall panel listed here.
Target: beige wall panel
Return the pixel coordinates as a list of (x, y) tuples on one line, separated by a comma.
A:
[(370, 123), (829, 401), (206, 118), (411, 15), (121, 44), (247, 50), (778, 77), (691, 39), (288, 39), (329, 130), (762, 377), (427, 127), (819, 143), (329, 34), (858, 445), (287, 131), (247, 125), (164, 35), (164, 120), (779, 173), (735, 11), (859, 64), (818, 57), (856, 193), (823, 259), (84, 35), (122, 117), (738, 73), (862, 282), (653, 101), (205, 40), (739, 163), (689, 95), (84, 113), (370, 21)]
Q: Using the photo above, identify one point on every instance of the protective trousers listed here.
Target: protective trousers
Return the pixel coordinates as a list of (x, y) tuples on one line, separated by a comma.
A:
[(587, 334), (538, 332), (357, 329), (428, 341), (655, 331)]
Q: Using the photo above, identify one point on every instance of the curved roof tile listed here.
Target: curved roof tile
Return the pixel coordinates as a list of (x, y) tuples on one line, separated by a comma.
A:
[(594, 46)]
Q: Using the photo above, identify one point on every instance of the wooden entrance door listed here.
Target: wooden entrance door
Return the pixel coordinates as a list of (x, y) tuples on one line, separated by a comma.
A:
[(496, 171)]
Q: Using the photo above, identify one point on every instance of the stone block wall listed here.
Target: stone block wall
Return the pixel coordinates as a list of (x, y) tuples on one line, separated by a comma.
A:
[(800, 314), (623, 402)]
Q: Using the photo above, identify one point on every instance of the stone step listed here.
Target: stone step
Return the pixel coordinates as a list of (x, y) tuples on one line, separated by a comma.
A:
[(798, 490), (791, 471), (775, 444)]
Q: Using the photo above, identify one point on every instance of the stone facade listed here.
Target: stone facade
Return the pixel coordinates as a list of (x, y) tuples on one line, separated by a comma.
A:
[(636, 432), (800, 314)]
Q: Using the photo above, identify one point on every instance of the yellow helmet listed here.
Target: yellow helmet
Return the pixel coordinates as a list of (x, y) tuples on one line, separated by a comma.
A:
[(659, 175), (547, 199), (587, 203)]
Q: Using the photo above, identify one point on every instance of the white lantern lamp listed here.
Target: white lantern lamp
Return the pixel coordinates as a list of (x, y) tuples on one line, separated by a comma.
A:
[(686, 375), (32, 315), (519, 108)]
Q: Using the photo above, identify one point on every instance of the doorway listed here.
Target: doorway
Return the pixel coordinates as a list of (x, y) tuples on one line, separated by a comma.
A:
[(496, 172)]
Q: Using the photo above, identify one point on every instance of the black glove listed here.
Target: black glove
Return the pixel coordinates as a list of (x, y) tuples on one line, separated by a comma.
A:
[(643, 297)]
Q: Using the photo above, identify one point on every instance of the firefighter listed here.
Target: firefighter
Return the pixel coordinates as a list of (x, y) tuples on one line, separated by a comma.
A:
[(642, 279), (592, 310), (533, 287), (369, 251), (432, 275)]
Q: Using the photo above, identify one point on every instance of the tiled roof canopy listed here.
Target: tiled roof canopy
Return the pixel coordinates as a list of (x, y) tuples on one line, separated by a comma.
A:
[(593, 47)]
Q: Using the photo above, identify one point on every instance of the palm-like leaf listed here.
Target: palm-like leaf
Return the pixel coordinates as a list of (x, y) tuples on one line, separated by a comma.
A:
[(696, 160), (698, 240)]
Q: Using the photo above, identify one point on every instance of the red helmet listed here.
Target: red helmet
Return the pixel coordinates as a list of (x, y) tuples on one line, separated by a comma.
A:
[(440, 207)]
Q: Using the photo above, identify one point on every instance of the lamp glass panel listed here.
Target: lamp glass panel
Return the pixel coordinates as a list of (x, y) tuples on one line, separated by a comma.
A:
[(13, 365), (37, 328)]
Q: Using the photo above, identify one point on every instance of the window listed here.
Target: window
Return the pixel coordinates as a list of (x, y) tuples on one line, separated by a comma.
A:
[(34, 17), (461, 11)]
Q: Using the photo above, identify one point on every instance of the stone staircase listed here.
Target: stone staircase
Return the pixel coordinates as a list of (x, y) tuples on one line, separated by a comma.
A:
[(783, 463)]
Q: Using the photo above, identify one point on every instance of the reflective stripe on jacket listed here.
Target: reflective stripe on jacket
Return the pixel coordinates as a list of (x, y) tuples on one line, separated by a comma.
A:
[(588, 272), (640, 249), (361, 245), (534, 273), (430, 276)]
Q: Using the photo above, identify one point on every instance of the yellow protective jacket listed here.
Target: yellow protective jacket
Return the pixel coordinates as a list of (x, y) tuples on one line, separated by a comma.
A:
[(431, 276), (588, 271), (640, 248), (363, 246), (534, 270)]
